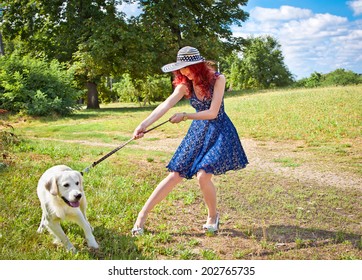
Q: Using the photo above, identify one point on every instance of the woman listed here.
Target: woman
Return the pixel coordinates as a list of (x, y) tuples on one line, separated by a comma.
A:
[(211, 145)]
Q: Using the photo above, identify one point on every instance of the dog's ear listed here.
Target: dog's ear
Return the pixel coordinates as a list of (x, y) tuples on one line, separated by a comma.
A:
[(80, 180), (52, 186)]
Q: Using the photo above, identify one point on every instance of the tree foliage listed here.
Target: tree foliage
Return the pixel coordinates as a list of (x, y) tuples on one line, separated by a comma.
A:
[(71, 31), (202, 24), (98, 41), (147, 90), (260, 66), (36, 87), (338, 77), (341, 77)]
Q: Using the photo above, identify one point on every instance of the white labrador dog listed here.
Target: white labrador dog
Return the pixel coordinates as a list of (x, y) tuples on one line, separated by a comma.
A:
[(61, 195)]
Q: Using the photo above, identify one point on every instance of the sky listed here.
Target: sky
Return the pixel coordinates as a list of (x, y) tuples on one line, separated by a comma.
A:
[(315, 35)]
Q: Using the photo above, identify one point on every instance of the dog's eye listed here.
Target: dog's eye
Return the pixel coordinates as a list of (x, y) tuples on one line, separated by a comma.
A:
[(66, 185), (77, 183)]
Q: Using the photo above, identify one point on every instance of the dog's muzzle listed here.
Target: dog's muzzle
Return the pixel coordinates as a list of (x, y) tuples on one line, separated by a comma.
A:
[(73, 204)]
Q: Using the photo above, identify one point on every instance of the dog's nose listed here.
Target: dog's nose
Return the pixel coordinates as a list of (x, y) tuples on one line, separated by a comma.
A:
[(78, 196)]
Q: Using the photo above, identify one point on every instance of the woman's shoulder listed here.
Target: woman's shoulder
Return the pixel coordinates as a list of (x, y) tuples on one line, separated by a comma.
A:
[(181, 88), (219, 76)]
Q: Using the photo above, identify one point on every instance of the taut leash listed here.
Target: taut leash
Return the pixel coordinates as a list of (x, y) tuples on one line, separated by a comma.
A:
[(86, 170)]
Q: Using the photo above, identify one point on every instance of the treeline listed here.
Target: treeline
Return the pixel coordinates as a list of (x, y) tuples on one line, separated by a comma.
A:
[(56, 56), (339, 77), (98, 43), (35, 86)]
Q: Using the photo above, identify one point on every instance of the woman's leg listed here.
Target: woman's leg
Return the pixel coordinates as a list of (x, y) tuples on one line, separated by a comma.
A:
[(209, 192), (160, 192)]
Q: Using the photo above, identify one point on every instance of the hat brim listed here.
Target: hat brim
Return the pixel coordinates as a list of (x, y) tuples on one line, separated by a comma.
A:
[(178, 65)]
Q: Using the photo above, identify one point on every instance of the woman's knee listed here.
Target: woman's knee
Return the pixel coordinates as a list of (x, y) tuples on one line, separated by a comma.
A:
[(175, 176), (203, 177)]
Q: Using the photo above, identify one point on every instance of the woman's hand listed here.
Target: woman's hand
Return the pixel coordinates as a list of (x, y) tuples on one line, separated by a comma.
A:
[(139, 132), (178, 117)]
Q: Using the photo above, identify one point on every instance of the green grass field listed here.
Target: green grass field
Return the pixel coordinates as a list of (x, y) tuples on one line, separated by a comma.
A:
[(299, 198)]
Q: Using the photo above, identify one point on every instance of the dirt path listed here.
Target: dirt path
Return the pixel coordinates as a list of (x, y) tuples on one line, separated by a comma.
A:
[(308, 168), (265, 156)]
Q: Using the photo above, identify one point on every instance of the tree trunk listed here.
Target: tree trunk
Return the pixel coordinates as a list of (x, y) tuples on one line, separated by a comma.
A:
[(2, 52), (92, 102)]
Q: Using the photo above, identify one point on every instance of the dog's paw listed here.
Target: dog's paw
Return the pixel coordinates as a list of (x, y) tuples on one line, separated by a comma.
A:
[(92, 243), (57, 241), (71, 248), (40, 228)]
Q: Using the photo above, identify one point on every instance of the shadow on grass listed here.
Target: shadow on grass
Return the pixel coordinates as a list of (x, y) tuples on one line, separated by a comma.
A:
[(84, 114), (115, 246), (301, 237)]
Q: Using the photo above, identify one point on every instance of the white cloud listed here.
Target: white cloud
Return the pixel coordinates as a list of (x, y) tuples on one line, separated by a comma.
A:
[(310, 42), (284, 13), (356, 6)]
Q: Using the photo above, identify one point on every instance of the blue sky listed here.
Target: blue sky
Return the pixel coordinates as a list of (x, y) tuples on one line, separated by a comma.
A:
[(335, 7), (315, 35)]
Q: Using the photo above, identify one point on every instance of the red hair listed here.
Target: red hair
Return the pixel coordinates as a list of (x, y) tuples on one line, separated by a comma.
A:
[(204, 78)]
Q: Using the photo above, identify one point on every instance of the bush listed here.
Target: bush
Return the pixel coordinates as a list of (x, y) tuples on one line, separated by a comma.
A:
[(7, 140), (313, 81), (36, 87), (126, 90), (339, 77), (152, 89), (155, 88)]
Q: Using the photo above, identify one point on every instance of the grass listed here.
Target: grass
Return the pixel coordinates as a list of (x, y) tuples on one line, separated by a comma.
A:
[(287, 162), (264, 214), (308, 115)]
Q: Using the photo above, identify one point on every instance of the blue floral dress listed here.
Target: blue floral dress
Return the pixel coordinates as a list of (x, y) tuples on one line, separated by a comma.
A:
[(211, 145)]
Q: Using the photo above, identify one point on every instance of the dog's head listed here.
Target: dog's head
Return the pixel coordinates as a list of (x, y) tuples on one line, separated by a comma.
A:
[(68, 185)]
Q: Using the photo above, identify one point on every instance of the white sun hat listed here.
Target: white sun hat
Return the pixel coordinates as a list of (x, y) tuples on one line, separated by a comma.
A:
[(186, 56)]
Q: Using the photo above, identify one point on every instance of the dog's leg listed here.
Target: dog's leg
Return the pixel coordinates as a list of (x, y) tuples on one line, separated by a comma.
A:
[(84, 224), (83, 206), (42, 223), (55, 228)]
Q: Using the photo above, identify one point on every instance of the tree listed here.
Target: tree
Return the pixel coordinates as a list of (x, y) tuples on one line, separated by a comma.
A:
[(314, 80), (261, 65), (338, 77), (97, 40), (84, 31), (204, 24), (231, 67), (2, 52), (341, 77)]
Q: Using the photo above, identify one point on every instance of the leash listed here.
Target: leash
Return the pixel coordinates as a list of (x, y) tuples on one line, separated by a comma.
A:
[(86, 170)]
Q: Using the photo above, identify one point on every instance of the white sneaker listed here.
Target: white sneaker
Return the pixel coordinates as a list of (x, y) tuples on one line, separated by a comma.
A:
[(212, 227)]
